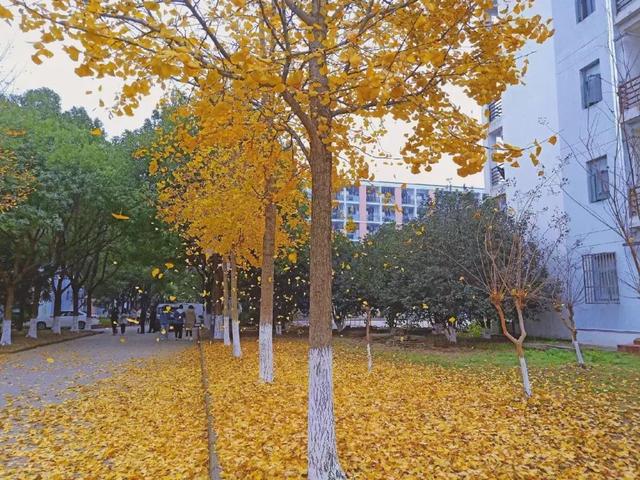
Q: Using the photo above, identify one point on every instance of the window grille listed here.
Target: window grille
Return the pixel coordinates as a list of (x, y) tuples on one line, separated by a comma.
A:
[(600, 278)]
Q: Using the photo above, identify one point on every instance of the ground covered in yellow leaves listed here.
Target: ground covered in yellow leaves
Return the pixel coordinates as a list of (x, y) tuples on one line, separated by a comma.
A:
[(410, 421), (147, 422)]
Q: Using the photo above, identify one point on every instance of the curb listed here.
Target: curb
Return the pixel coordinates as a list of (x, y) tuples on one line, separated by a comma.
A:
[(89, 333), (214, 466)]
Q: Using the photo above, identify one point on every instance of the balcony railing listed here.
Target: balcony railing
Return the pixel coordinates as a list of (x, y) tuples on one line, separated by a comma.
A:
[(495, 110), (629, 92), (620, 4), (497, 175), (634, 201)]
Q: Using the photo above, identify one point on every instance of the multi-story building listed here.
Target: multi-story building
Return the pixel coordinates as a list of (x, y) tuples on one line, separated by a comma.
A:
[(582, 85), (368, 206)]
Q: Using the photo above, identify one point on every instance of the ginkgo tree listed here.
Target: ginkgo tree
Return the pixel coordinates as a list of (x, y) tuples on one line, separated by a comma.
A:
[(235, 161), (338, 68)]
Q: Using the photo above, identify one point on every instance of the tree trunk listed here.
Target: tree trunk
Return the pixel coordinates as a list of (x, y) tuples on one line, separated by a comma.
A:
[(323, 463), (75, 295), (89, 305), (266, 294), (235, 319), (225, 302), (8, 313), (368, 333), (524, 370), (35, 307), (451, 333), (526, 384), (574, 335), (576, 346), (57, 305)]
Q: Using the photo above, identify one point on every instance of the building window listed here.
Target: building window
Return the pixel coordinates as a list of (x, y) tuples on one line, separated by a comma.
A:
[(600, 278), (584, 8), (373, 213), (353, 212), (422, 197), (338, 226), (598, 173), (408, 214), (353, 194), (408, 196), (388, 214), (591, 84), (388, 195), (373, 194)]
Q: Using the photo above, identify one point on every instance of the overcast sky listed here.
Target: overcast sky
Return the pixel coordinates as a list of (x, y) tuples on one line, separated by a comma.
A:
[(57, 74)]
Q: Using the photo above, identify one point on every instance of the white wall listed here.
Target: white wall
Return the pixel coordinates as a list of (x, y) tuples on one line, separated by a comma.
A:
[(551, 102)]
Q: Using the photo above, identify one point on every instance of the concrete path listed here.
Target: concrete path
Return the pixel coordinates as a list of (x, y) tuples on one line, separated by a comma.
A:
[(44, 375)]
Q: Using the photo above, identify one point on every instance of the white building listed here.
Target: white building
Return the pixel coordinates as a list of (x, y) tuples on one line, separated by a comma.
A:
[(583, 85)]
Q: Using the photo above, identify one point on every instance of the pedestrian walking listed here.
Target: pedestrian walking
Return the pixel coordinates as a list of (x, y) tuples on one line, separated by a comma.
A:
[(166, 318), (114, 320), (142, 319), (178, 322), (123, 323), (153, 319), (189, 322)]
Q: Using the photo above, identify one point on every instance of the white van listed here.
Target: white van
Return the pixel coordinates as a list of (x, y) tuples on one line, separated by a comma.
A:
[(66, 321)]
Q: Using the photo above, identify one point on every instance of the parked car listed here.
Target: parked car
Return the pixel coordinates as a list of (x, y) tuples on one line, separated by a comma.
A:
[(66, 320)]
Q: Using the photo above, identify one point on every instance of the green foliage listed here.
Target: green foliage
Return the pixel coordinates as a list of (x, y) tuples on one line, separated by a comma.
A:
[(66, 225)]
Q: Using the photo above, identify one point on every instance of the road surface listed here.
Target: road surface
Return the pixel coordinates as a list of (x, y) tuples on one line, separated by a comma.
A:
[(45, 374)]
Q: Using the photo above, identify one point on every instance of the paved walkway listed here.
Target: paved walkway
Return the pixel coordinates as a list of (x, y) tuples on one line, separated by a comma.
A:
[(46, 373)]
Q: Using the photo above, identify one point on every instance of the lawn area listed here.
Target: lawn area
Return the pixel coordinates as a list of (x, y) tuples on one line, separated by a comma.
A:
[(481, 353), (430, 415), (20, 342)]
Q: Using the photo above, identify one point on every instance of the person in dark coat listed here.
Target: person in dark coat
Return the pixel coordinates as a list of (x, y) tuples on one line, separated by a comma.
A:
[(142, 318), (114, 320), (178, 322), (153, 319)]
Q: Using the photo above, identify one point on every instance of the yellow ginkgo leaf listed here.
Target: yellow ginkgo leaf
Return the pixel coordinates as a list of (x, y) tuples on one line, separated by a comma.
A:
[(169, 265), (293, 257), (172, 298), (119, 216), (5, 13), (155, 272), (96, 132), (50, 360)]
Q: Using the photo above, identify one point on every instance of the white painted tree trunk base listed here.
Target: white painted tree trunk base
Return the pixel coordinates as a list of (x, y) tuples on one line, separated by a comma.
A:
[(74, 324), (226, 329), (55, 328), (576, 346), (218, 327), (369, 358), (266, 353), (33, 328), (451, 334), (6, 333), (323, 463), (526, 384), (237, 351)]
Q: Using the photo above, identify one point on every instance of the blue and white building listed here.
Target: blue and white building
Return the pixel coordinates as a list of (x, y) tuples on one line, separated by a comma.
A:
[(373, 204), (582, 85)]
